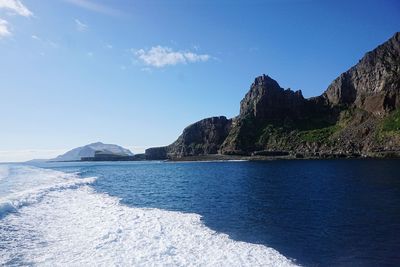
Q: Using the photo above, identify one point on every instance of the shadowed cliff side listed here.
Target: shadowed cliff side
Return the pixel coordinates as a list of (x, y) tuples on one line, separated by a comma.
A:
[(358, 115), (201, 138)]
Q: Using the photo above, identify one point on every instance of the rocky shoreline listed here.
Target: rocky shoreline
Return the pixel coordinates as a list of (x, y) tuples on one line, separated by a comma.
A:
[(221, 157)]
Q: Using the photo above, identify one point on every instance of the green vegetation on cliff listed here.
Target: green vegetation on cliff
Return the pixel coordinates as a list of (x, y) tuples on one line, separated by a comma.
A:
[(318, 135), (392, 122)]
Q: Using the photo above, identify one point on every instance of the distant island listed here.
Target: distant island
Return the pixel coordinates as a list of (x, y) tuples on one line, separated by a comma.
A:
[(99, 152), (357, 116)]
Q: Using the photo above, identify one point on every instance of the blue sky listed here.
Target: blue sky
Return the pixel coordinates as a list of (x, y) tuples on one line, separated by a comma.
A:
[(135, 73)]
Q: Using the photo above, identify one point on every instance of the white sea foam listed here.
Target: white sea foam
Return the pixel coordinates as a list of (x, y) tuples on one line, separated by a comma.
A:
[(24, 185), (80, 227)]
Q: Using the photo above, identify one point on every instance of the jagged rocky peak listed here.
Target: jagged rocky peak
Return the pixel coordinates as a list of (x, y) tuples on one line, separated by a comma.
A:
[(373, 84), (266, 100)]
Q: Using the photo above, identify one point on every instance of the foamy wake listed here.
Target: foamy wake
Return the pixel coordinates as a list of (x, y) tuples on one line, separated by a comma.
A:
[(24, 185), (79, 227)]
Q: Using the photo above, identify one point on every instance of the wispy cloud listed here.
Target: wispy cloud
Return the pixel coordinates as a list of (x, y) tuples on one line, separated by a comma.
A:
[(4, 31), (80, 26), (95, 7), (16, 7), (44, 41), (35, 37), (160, 56)]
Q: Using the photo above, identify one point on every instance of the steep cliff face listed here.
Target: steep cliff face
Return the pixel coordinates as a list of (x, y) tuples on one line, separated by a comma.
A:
[(156, 153), (373, 84), (267, 101), (358, 114), (201, 138)]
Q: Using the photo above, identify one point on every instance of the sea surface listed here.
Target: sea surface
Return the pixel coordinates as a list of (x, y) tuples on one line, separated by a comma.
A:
[(275, 213)]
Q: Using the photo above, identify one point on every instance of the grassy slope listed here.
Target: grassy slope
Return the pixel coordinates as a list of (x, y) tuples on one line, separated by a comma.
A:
[(392, 122)]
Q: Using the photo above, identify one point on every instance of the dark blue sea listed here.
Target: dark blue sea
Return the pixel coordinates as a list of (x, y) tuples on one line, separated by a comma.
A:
[(277, 213)]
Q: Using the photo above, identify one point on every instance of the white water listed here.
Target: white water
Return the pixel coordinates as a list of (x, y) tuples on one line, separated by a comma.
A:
[(24, 185), (70, 224)]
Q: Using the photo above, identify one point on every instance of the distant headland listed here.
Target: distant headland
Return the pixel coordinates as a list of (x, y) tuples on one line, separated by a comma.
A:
[(358, 115)]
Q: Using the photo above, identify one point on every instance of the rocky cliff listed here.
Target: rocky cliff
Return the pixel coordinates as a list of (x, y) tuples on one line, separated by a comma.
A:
[(373, 84), (358, 115), (201, 138)]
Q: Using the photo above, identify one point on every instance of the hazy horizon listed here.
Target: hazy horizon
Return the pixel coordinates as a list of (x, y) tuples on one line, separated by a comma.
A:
[(137, 73)]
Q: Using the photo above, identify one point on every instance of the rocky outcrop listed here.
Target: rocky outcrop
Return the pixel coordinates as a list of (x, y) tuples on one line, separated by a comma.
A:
[(267, 101), (201, 138), (358, 114), (156, 153)]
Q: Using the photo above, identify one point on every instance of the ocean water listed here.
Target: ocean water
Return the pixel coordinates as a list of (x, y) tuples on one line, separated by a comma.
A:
[(277, 213)]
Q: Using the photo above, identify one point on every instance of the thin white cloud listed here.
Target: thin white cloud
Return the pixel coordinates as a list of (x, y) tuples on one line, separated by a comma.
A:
[(95, 7), (35, 37), (53, 44), (80, 26), (159, 57), (16, 7), (44, 41), (147, 69), (4, 30), (192, 57)]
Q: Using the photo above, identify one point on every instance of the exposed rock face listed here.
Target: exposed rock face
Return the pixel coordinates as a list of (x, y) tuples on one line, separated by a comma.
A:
[(201, 138), (267, 101), (156, 153), (359, 114), (373, 84)]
